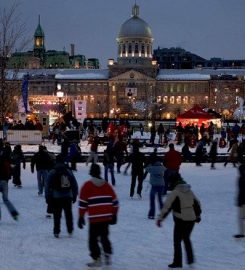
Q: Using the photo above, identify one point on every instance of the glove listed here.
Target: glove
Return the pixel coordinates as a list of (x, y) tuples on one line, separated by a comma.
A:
[(74, 200), (81, 222), (159, 223), (198, 219), (113, 220)]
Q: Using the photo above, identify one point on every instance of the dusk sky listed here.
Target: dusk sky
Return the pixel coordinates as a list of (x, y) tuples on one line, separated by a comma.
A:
[(209, 28)]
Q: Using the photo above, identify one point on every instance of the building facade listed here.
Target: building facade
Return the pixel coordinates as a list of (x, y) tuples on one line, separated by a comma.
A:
[(133, 85)]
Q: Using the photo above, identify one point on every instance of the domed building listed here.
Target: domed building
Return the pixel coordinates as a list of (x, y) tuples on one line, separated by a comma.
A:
[(134, 41), (132, 86)]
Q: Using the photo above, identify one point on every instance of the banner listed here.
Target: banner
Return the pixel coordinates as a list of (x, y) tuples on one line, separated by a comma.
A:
[(80, 110), (24, 91)]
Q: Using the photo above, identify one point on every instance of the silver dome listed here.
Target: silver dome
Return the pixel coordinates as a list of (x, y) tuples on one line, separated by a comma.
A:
[(135, 27)]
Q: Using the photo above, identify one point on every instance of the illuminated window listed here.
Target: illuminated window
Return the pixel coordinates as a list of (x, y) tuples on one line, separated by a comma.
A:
[(165, 99), (159, 98), (171, 100), (178, 100), (185, 100)]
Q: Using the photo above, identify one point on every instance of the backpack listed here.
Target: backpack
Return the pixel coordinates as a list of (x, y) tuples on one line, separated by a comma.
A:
[(61, 181)]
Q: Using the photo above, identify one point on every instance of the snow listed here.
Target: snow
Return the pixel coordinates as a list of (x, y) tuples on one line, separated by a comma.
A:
[(137, 243)]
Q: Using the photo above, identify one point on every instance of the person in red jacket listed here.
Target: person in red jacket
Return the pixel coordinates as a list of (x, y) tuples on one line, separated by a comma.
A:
[(172, 162), (99, 200)]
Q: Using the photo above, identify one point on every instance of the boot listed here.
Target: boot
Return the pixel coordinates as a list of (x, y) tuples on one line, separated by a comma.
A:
[(95, 263)]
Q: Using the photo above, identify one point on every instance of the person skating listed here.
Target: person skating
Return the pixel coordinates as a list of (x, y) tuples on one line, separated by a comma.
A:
[(43, 162), (172, 162), (99, 200), (137, 172), (60, 192), (186, 211), (5, 175), (156, 170), (213, 152), (241, 202), (17, 159)]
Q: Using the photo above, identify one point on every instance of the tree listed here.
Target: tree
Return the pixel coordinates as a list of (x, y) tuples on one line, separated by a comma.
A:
[(12, 37)]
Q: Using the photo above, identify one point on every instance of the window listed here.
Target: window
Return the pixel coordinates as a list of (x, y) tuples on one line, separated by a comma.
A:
[(129, 48), (124, 49), (136, 49), (171, 100), (142, 48)]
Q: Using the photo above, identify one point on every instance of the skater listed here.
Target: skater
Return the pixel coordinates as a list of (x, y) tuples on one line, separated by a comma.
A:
[(172, 162), (137, 172), (108, 162), (43, 162), (241, 202), (233, 149), (17, 158), (98, 198), (156, 170), (60, 192), (213, 153), (5, 175), (186, 211)]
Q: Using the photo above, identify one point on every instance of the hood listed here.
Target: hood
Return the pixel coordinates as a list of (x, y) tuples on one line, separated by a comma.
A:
[(183, 187), (98, 181)]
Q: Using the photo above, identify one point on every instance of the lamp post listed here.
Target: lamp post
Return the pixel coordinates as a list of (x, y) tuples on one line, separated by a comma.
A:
[(60, 95)]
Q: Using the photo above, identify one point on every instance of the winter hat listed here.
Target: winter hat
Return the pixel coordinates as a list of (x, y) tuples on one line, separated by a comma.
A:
[(95, 170), (176, 180)]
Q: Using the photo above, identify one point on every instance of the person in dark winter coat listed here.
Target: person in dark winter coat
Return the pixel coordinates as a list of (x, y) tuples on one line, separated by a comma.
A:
[(44, 163), (199, 152), (137, 172), (61, 191), (108, 162), (186, 210), (99, 200), (5, 175), (74, 155), (241, 202), (213, 152), (156, 170), (17, 158)]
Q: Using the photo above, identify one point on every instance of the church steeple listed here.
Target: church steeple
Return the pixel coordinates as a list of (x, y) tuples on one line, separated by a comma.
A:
[(39, 46)]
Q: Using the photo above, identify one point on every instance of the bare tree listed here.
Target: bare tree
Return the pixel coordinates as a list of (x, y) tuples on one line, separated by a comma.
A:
[(12, 37)]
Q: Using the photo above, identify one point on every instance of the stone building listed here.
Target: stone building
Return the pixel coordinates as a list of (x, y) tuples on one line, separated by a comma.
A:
[(133, 85)]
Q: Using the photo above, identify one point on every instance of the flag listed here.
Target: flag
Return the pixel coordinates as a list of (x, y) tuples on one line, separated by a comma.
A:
[(24, 91)]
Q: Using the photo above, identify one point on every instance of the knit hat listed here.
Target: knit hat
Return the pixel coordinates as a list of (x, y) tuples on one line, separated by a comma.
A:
[(176, 180), (95, 170)]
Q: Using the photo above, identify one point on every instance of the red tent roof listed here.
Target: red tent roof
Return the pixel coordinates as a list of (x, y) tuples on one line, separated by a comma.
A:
[(196, 113)]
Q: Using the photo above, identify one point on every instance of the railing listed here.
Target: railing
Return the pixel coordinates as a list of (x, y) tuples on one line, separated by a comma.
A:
[(24, 136)]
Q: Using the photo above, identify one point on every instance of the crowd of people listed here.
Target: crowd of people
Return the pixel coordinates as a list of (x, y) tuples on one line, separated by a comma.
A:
[(97, 197)]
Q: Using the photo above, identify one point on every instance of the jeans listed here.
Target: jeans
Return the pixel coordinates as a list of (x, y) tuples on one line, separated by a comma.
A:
[(42, 176), (155, 190), (9, 205), (110, 167)]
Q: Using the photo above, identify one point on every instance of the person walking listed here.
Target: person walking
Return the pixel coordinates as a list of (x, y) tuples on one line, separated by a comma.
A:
[(99, 200), (137, 171), (17, 159), (186, 210), (241, 202), (5, 175), (60, 192), (156, 170)]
